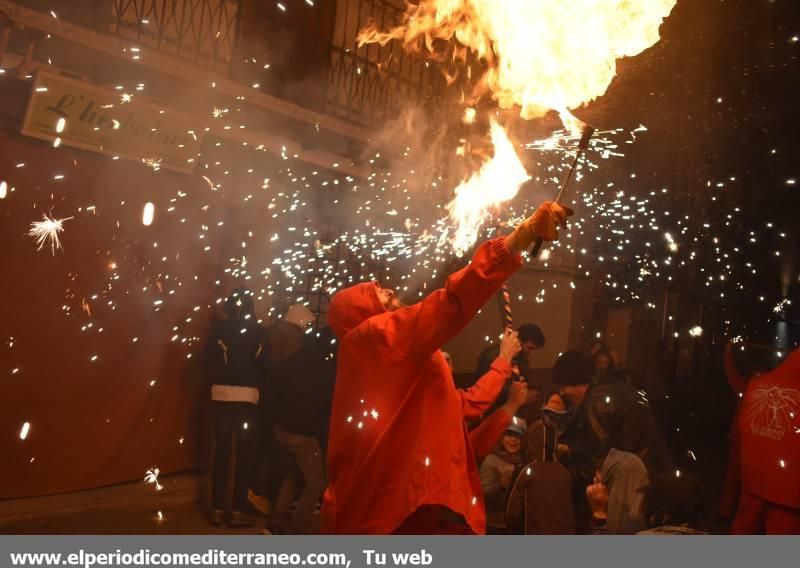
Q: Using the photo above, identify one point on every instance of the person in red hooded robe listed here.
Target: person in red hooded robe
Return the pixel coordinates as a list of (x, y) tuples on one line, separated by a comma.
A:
[(769, 430), (400, 459)]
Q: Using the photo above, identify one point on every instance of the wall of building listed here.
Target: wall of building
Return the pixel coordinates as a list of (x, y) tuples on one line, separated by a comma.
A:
[(87, 329), (559, 315)]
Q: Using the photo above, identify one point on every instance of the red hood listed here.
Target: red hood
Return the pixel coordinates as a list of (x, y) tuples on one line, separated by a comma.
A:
[(352, 306)]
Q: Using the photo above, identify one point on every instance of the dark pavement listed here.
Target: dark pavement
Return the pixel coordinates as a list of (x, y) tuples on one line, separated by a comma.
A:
[(131, 508)]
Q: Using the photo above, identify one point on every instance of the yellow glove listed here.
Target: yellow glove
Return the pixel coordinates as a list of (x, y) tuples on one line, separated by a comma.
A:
[(542, 224)]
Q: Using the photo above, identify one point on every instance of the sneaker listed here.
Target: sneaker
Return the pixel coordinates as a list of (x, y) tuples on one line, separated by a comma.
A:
[(239, 519), (259, 502), (217, 516)]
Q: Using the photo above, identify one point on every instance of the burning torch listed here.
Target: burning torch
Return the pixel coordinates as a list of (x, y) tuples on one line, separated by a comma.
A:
[(586, 136)]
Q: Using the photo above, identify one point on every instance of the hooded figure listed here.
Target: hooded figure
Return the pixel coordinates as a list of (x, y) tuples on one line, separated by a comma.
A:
[(398, 441), (769, 427)]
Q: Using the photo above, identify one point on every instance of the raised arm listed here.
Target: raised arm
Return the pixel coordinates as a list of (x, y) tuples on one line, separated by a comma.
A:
[(736, 381), (486, 436), (479, 397), (415, 332)]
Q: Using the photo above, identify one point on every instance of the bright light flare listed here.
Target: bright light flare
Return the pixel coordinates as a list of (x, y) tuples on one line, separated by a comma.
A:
[(151, 476), (148, 213), (540, 55), (498, 181), (47, 231)]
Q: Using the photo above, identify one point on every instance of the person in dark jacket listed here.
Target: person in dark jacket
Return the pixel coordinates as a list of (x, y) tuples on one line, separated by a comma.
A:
[(608, 414), (300, 399), (236, 356)]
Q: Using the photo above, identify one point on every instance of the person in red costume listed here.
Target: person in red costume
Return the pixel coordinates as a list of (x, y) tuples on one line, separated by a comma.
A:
[(400, 458), (731, 484), (769, 430)]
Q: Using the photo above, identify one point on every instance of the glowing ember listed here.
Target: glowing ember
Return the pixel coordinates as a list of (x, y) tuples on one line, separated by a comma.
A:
[(696, 331), (3, 189), (151, 476), (541, 55), (46, 231), (148, 213), (496, 182), (469, 115), (23, 433)]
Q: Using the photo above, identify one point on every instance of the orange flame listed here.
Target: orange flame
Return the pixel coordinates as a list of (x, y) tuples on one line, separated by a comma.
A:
[(498, 181), (540, 55)]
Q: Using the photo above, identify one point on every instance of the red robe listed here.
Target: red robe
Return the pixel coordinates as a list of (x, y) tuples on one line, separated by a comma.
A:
[(398, 440), (769, 429)]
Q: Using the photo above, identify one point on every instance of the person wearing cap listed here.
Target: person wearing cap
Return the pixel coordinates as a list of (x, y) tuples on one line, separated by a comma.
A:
[(497, 471), (299, 391)]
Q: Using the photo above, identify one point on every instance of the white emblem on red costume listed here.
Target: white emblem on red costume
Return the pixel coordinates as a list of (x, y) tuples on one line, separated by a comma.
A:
[(773, 410)]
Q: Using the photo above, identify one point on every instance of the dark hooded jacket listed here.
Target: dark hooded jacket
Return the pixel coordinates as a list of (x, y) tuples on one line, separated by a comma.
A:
[(299, 384), (237, 353), (398, 440), (614, 415)]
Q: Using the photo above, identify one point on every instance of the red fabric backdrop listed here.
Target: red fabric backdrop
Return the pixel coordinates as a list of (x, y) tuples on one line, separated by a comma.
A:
[(94, 423)]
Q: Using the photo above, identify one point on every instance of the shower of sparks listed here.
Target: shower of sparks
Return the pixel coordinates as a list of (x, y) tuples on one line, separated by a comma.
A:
[(151, 476), (780, 307), (47, 231)]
